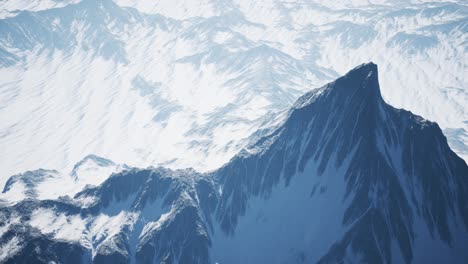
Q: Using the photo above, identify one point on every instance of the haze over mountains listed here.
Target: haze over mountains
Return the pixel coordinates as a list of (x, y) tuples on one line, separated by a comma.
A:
[(185, 83)]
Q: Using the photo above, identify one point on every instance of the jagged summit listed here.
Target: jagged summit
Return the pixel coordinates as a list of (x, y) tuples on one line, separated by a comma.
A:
[(360, 84), (365, 68), (365, 78)]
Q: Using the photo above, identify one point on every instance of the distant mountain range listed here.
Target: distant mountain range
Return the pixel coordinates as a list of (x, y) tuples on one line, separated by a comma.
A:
[(180, 84)]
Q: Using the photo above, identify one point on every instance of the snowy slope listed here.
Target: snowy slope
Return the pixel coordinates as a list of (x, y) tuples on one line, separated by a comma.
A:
[(344, 177), (51, 184), (184, 83), (80, 77), (12, 8)]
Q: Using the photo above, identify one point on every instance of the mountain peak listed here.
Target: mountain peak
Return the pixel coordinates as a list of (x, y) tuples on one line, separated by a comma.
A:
[(363, 78), (365, 71), (368, 67), (359, 85)]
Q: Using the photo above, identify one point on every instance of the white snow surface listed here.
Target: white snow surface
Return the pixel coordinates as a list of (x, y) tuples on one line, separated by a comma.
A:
[(61, 226), (9, 8), (184, 83), (11, 247)]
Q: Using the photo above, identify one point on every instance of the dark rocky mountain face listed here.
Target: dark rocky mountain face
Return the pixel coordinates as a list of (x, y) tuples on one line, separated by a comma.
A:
[(394, 169), (344, 178)]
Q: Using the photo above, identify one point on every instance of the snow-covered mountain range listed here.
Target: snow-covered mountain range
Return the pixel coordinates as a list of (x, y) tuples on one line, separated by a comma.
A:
[(180, 131), (343, 178), (185, 83)]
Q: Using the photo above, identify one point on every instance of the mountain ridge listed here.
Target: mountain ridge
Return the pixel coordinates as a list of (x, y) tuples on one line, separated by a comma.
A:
[(341, 154)]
